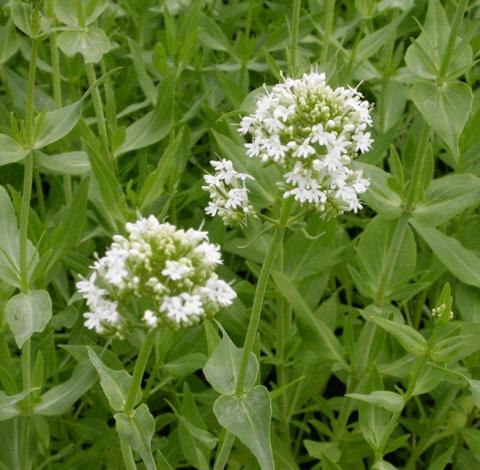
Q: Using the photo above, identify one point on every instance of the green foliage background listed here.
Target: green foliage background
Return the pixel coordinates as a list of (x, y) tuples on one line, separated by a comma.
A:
[(131, 101)]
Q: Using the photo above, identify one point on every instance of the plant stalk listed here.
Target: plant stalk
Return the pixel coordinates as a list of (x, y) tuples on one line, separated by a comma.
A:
[(275, 246), (138, 372), (98, 108)]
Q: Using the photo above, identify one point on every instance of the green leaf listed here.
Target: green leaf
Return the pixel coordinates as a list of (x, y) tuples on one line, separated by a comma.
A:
[(137, 431), (185, 365), (52, 126), (391, 401), (411, 340), (455, 348), (372, 42), (425, 56), (115, 383), (108, 185), (373, 258), (221, 369), (28, 313), (248, 418), (156, 124), (379, 196), (442, 460), (447, 197), (69, 223), (66, 11), (383, 465), (67, 163), (8, 230), (475, 389), (8, 42), (21, 14), (59, 399), (445, 108), (144, 80), (461, 262), (92, 44), (318, 337), (10, 150), (320, 450), (155, 182), (8, 408)]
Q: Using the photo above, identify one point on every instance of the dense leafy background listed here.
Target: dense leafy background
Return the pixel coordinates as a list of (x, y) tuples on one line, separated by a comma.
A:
[(348, 309)]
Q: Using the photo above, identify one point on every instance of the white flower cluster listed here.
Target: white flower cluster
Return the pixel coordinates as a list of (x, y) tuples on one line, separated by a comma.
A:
[(155, 275), (442, 312), (313, 132), (228, 193)]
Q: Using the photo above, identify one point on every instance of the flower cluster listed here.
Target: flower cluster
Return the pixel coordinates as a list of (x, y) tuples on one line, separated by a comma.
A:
[(228, 193), (313, 132), (155, 275), (442, 312)]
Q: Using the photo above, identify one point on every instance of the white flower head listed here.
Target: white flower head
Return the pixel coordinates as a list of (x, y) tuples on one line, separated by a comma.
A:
[(228, 193), (312, 132), (166, 273)]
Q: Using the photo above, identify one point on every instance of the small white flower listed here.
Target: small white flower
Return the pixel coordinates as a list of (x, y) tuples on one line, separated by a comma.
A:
[(150, 319), (228, 198), (176, 270)]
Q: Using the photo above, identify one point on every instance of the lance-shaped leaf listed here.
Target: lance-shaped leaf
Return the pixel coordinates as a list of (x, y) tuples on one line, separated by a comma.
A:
[(52, 126), (318, 337), (8, 404), (115, 383), (67, 163), (137, 431), (461, 262), (410, 339), (391, 401), (8, 42), (455, 348), (28, 313), (10, 150), (447, 197), (248, 417), (58, 400), (156, 124)]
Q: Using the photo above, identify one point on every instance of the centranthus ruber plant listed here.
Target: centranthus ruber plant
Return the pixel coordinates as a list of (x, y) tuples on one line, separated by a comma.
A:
[(157, 276), (311, 132)]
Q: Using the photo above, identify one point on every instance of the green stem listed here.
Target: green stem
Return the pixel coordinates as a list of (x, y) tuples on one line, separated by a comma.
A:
[(259, 296), (138, 371), (224, 452), (23, 231), (98, 108), (57, 95), (452, 38), (327, 29), (127, 456), (295, 27)]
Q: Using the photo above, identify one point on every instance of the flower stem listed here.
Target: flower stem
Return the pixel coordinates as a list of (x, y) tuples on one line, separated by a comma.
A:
[(98, 107), (224, 452), (259, 296), (57, 95), (138, 371)]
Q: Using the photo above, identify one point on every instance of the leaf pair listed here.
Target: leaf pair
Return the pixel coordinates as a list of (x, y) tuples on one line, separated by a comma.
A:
[(247, 416)]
